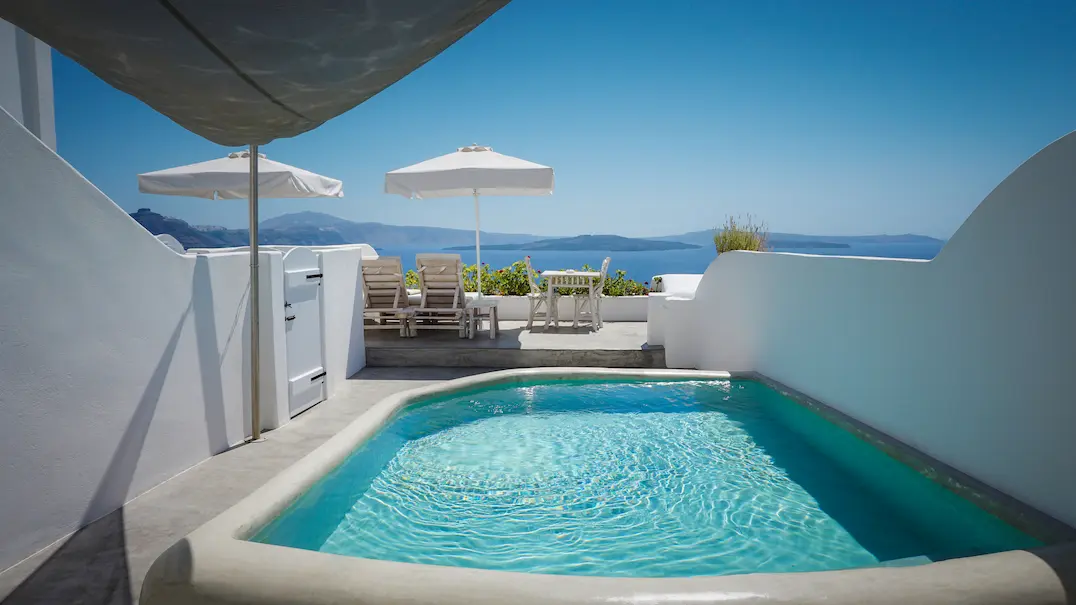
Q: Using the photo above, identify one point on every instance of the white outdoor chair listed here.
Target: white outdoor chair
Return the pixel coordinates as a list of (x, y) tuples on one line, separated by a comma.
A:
[(588, 305), (541, 307), (442, 301), (385, 295)]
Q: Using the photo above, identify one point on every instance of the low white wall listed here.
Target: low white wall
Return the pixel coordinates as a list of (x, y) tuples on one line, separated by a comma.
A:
[(345, 347), (676, 286), (967, 357), (122, 363), (614, 308), (679, 283), (342, 303)]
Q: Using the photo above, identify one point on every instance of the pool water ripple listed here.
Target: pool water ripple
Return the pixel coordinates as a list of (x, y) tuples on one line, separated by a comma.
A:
[(614, 479)]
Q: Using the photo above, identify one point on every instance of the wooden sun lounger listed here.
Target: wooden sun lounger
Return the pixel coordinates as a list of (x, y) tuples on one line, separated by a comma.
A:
[(443, 302), (383, 290)]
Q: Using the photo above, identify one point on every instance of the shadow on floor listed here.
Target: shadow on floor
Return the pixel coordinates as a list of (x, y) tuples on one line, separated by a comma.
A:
[(91, 566)]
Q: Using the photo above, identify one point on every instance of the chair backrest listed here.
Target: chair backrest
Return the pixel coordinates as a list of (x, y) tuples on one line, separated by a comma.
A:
[(383, 283), (605, 270), (533, 278), (440, 278)]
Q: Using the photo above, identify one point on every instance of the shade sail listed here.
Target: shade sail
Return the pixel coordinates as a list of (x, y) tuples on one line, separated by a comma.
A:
[(229, 178), (470, 170), (249, 71)]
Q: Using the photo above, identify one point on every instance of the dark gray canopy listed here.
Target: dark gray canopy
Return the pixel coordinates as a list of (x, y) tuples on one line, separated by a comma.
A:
[(249, 71)]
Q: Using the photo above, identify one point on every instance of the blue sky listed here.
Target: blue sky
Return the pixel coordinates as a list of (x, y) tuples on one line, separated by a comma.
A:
[(828, 117)]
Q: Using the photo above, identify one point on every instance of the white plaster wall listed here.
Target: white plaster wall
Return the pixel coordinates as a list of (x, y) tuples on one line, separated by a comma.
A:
[(967, 357), (679, 283), (345, 347), (122, 363), (26, 82), (665, 303)]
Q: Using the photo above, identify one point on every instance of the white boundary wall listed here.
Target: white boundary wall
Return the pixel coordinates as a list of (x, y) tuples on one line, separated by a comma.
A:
[(345, 346), (123, 363), (342, 304), (968, 357), (26, 82)]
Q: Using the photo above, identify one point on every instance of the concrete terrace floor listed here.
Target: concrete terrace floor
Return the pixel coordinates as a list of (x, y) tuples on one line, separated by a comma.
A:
[(106, 561)]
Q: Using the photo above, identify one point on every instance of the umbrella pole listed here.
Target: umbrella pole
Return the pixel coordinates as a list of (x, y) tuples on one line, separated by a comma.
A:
[(255, 326), (477, 244)]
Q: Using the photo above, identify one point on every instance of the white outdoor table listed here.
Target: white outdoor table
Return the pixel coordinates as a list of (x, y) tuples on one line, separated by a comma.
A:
[(580, 280), (478, 308)]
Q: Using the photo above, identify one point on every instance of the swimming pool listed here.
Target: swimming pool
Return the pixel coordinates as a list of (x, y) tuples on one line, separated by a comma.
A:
[(764, 435), (632, 478)]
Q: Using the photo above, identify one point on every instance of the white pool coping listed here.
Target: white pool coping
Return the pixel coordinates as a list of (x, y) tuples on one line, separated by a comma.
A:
[(216, 564)]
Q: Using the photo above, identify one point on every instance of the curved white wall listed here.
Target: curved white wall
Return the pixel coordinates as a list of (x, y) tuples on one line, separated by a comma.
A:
[(968, 357), (121, 362)]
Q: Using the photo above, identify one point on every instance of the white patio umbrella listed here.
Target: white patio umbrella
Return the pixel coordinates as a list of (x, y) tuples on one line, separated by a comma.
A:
[(245, 174), (475, 171)]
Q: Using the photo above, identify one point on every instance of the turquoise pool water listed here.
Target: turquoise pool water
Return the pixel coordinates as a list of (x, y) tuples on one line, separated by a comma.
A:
[(656, 479)]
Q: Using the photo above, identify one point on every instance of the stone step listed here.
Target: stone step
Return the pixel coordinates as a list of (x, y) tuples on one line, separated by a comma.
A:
[(616, 345), (434, 356)]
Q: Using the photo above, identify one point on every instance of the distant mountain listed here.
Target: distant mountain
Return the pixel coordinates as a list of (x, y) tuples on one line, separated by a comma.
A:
[(380, 235), (805, 244), (797, 240), (319, 229), (605, 243), (207, 236), (187, 235)]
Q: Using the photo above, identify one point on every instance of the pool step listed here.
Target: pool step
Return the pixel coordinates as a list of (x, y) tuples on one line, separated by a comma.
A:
[(439, 356), (906, 562)]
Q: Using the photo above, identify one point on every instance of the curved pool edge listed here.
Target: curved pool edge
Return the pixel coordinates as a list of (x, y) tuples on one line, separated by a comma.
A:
[(216, 564)]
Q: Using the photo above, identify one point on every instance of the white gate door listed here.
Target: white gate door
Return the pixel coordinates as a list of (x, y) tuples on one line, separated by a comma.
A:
[(302, 318)]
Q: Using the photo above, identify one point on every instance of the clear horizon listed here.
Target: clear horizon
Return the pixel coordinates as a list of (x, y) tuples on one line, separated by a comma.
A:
[(831, 119), (550, 235)]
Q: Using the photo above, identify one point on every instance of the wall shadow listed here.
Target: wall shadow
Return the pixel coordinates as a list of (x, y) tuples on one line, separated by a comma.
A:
[(91, 566), (209, 355)]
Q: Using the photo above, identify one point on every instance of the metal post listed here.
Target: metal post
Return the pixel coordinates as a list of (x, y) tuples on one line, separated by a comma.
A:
[(477, 244), (255, 361)]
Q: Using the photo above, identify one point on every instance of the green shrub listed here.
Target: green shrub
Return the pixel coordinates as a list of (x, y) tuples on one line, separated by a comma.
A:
[(513, 280), (616, 285), (745, 235)]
